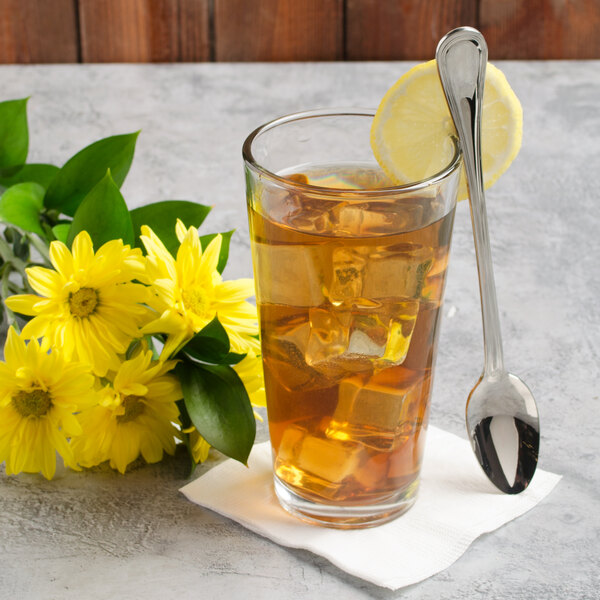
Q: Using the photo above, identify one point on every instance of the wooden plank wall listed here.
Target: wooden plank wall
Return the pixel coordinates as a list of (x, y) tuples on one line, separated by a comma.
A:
[(55, 31)]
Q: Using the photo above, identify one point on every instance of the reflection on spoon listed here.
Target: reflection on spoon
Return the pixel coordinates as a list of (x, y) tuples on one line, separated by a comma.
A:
[(495, 438)]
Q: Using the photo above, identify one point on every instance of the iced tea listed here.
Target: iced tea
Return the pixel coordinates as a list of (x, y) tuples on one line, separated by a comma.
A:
[(349, 273), (349, 310)]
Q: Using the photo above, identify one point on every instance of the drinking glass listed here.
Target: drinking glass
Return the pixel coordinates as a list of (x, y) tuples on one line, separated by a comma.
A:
[(349, 272)]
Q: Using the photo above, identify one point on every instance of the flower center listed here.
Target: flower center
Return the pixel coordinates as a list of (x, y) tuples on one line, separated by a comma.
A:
[(197, 300), (83, 302), (35, 403), (134, 407)]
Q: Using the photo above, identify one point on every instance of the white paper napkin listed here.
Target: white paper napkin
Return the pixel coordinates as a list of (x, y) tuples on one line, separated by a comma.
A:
[(455, 505)]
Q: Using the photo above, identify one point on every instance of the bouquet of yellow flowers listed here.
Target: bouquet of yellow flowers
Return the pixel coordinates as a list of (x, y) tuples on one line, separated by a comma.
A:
[(123, 338)]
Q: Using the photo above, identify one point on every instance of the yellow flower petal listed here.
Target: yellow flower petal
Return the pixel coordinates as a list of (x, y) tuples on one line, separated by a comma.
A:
[(200, 447), (36, 328), (23, 303), (45, 282), (180, 230), (210, 259), (14, 349), (165, 390), (82, 251), (235, 290), (155, 247), (61, 259)]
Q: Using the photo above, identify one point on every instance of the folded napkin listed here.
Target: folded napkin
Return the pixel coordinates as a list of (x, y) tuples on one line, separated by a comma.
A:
[(455, 505)]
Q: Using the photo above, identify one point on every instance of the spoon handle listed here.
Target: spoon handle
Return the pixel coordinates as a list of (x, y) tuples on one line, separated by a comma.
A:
[(461, 60)]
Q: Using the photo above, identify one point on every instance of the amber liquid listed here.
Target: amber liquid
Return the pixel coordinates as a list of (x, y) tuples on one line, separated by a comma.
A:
[(349, 313)]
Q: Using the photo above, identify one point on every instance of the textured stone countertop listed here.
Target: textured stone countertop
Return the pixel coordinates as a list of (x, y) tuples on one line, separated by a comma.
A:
[(98, 534)]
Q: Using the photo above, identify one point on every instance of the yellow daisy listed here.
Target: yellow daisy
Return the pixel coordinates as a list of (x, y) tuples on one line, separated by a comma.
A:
[(39, 394), (136, 415), (88, 306), (189, 293)]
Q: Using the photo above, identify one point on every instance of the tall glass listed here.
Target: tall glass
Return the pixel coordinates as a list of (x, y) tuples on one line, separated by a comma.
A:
[(349, 273)]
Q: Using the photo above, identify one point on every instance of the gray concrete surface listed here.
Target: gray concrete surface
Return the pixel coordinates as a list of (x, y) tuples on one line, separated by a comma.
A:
[(101, 535)]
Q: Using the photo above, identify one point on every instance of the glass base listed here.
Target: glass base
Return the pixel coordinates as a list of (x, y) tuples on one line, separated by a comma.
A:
[(347, 516)]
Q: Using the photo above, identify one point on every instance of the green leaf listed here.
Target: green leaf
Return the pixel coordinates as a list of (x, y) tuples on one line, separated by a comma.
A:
[(186, 423), (211, 345), (184, 417), (84, 170), (61, 232), (103, 214), (37, 173), (162, 216), (151, 346), (219, 407), (20, 205), (144, 344), (14, 133), (225, 243)]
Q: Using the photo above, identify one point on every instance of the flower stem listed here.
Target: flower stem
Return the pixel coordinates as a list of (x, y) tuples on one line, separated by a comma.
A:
[(40, 247), (8, 256), (11, 319)]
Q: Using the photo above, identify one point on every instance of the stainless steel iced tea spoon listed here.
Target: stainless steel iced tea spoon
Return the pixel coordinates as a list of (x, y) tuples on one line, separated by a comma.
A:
[(501, 414)]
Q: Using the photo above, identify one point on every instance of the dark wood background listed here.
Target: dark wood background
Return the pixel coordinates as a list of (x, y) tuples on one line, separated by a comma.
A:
[(57, 31)]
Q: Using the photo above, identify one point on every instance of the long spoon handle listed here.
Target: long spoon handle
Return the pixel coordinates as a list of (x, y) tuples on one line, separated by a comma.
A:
[(461, 59)]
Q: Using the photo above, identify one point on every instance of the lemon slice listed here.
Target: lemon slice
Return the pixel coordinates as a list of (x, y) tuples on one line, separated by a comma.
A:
[(410, 131)]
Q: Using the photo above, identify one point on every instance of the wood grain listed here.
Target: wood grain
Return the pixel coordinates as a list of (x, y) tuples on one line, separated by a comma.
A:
[(144, 30), (278, 30), (403, 29), (48, 31), (38, 31), (541, 29), (194, 31)]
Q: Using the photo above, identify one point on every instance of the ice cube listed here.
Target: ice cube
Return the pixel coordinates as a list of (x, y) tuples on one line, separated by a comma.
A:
[(433, 288), (362, 344), (328, 338), (290, 207), (384, 217), (315, 462), (375, 410), (289, 275), (399, 271), (406, 460), (360, 335), (293, 376), (312, 215), (347, 278), (373, 473), (276, 202), (284, 357), (355, 219), (400, 331), (382, 331), (290, 443)]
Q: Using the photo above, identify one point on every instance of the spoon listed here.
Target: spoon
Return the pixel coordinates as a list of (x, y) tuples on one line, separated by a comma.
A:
[(501, 414)]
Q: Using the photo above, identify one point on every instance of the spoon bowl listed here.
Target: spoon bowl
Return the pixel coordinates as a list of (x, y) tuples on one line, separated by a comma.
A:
[(501, 413), (503, 427)]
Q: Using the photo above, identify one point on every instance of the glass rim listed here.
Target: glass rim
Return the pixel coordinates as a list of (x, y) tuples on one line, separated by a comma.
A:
[(250, 160)]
